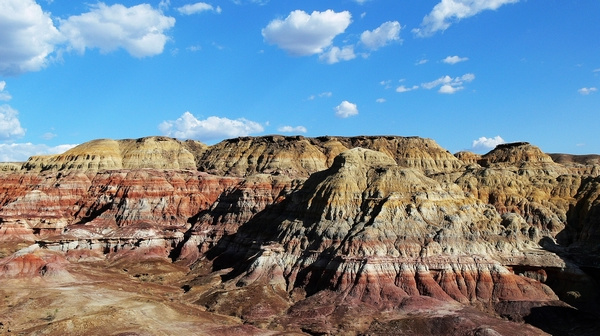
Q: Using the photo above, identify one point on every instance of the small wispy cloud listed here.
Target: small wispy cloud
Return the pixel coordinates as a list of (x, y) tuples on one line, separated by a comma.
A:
[(4, 95), (325, 94), (447, 12), (449, 85), (454, 59), (586, 91), (196, 8), (403, 88), (421, 61), (382, 35), (335, 54), (292, 129)]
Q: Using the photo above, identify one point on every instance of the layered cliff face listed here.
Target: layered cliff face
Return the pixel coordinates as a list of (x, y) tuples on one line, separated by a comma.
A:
[(321, 235), (300, 157), (374, 234)]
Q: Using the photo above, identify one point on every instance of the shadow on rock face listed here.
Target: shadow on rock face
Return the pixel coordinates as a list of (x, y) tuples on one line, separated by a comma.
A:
[(566, 320)]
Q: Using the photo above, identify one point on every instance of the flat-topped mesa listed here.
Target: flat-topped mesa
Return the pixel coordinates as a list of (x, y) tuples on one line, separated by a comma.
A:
[(515, 153), (297, 156), (106, 154)]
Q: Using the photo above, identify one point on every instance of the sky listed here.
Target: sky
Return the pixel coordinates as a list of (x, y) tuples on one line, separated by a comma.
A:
[(469, 74)]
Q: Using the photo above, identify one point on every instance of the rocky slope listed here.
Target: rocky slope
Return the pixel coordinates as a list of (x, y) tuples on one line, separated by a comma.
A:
[(328, 235)]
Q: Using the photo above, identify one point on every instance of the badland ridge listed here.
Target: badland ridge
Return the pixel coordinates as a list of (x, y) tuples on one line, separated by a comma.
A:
[(277, 235)]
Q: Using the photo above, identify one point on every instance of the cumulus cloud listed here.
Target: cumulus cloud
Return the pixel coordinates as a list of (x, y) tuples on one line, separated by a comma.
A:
[(212, 128), (27, 37), (448, 84), (140, 30), (198, 7), (381, 36), (454, 59), (484, 143), (292, 129), (302, 34), (10, 126), (346, 109), (586, 91), (5, 96), (19, 152), (335, 54), (449, 11)]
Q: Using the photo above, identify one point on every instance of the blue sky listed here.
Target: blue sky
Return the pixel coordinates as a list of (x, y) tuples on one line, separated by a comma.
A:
[(468, 73)]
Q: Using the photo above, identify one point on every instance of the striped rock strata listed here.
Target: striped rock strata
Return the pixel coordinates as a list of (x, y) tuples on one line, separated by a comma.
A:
[(369, 231), (324, 235)]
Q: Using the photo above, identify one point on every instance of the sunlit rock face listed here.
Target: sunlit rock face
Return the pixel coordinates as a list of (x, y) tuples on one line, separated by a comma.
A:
[(299, 157), (107, 154), (379, 233), (327, 235)]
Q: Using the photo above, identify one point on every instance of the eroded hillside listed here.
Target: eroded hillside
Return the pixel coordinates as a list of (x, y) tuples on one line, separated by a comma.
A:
[(294, 235)]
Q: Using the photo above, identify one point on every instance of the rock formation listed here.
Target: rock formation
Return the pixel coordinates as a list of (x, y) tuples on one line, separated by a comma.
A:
[(327, 235)]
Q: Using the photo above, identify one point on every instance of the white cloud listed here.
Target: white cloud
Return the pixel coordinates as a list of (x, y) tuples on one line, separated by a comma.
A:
[(48, 136), (380, 100), (5, 96), (403, 88), (10, 126), (301, 34), (449, 89), (484, 143), (164, 5), (198, 7), (448, 84), (139, 29), (258, 2), (381, 36), (586, 91), (447, 12), (27, 37), (421, 62), (213, 128), (454, 59), (346, 109), (335, 54), (20, 152), (291, 129), (386, 83), (325, 94)]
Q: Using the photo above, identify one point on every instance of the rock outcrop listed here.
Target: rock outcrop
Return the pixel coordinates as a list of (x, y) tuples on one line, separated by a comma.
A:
[(107, 154), (327, 235)]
